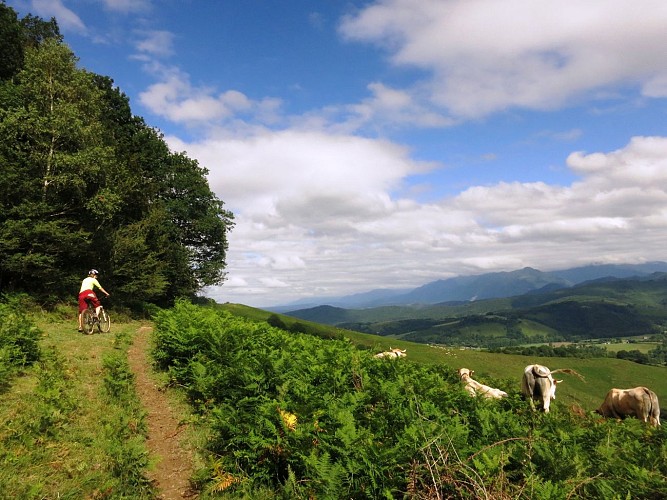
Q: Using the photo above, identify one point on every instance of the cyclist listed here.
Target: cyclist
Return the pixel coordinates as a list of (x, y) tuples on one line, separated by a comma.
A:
[(87, 293)]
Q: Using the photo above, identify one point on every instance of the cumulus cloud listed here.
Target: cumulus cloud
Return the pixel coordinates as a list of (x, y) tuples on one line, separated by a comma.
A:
[(67, 19), (325, 215), (488, 55), (155, 43), (286, 174), (175, 98)]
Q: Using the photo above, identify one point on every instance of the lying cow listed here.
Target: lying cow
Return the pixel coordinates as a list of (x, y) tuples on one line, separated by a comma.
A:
[(392, 353), (640, 402), (537, 384), (474, 387)]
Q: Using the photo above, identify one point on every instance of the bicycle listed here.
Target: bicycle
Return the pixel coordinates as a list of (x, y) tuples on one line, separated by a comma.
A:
[(90, 319)]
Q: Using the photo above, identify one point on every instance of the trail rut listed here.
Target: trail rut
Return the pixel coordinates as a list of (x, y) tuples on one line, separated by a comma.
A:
[(173, 470)]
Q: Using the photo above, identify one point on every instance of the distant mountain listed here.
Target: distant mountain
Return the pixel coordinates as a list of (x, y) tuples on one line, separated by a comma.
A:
[(484, 286), (599, 308), (578, 275), (373, 298), (479, 287)]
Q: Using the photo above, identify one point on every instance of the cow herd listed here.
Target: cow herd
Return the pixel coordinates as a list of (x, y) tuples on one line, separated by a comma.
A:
[(539, 385)]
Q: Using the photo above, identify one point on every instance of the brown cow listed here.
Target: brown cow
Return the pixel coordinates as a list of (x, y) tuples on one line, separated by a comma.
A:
[(474, 387), (640, 402)]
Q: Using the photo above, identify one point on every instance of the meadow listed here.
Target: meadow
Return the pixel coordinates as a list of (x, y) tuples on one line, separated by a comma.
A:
[(599, 374)]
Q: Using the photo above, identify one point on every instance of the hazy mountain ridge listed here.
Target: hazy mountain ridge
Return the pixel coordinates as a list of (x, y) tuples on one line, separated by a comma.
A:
[(478, 287), (601, 308)]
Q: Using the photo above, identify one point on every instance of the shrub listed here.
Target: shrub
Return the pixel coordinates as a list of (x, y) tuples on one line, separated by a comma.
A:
[(19, 337)]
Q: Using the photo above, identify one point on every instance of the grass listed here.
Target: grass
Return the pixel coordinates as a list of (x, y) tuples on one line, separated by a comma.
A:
[(643, 347), (62, 433), (600, 374)]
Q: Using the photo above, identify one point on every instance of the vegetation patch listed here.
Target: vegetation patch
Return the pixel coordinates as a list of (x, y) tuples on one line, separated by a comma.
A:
[(298, 416), (70, 424)]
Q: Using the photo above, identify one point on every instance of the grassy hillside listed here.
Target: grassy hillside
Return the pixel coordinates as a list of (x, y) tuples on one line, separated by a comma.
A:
[(71, 425), (599, 374), (601, 309)]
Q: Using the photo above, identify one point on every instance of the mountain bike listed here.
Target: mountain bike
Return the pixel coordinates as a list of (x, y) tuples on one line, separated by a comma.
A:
[(90, 319)]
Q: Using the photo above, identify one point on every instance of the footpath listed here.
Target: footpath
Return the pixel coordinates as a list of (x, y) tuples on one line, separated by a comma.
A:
[(174, 460)]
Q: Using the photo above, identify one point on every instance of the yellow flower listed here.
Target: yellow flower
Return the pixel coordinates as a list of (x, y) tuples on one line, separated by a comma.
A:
[(289, 419)]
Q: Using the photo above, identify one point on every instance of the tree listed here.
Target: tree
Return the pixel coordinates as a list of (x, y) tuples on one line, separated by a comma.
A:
[(275, 321), (85, 183), (11, 42), (182, 223), (53, 161)]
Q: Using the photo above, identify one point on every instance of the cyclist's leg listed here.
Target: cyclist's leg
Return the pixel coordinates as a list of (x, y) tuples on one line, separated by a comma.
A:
[(83, 304)]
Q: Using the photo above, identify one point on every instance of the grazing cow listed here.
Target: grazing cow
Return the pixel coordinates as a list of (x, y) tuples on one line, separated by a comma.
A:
[(537, 384), (392, 353), (474, 387), (640, 402)]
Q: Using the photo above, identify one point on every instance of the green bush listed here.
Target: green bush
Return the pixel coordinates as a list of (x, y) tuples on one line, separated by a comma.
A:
[(19, 337)]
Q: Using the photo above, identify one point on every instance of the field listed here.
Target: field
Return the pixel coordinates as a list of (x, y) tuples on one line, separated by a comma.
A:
[(599, 374), (643, 347)]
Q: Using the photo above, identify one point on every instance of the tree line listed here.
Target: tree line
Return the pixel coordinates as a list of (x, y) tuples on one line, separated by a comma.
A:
[(84, 183)]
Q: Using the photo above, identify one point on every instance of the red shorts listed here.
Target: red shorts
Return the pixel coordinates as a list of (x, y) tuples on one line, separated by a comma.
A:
[(89, 295)]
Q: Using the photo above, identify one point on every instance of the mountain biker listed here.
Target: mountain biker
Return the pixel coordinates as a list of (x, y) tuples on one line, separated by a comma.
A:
[(86, 293)]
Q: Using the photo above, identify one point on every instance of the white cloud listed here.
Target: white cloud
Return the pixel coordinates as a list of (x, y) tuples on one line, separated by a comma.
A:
[(155, 43), (301, 175), (656, 87), (175, 98), (324, 219), (127, 6), (489, 55), (67, 19)]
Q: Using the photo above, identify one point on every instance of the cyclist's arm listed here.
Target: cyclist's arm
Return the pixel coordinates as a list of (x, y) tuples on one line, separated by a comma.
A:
[(97, 284)]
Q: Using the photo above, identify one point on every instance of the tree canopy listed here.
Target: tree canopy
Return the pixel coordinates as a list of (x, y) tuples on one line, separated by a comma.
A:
[(85, 183)]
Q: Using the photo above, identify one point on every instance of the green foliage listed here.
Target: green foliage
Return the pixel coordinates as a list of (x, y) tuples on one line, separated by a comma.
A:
[(566, 351), (86, 184), (275, 321), (71, 425), (307, 417), (19, 337)]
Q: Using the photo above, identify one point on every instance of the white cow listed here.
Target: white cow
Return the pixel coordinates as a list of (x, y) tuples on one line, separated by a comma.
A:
[(392, 353), (640, 402), (474, 387), (538, 385)]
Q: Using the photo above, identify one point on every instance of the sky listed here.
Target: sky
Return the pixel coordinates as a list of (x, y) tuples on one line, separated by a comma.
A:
[(389, 143)]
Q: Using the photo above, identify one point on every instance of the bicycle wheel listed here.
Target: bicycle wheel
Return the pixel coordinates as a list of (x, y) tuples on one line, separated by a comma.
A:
[(105, 321), (88, 321)]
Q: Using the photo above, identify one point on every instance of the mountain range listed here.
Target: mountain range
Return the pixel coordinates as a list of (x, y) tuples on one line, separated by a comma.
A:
[(482, 286)]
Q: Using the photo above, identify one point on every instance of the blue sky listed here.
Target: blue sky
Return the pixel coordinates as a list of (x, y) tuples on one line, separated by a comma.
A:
[(389, 143)]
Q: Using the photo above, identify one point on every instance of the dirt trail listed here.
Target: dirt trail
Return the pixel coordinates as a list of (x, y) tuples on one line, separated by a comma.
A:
[(174, 467)]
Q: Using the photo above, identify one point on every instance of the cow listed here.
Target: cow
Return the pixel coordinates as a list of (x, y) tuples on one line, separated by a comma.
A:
[(640, 402), (392, 353), (537, 384), (474, 387)]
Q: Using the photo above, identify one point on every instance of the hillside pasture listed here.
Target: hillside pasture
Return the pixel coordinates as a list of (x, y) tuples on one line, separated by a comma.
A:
[(643, 347), (600, 374)]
